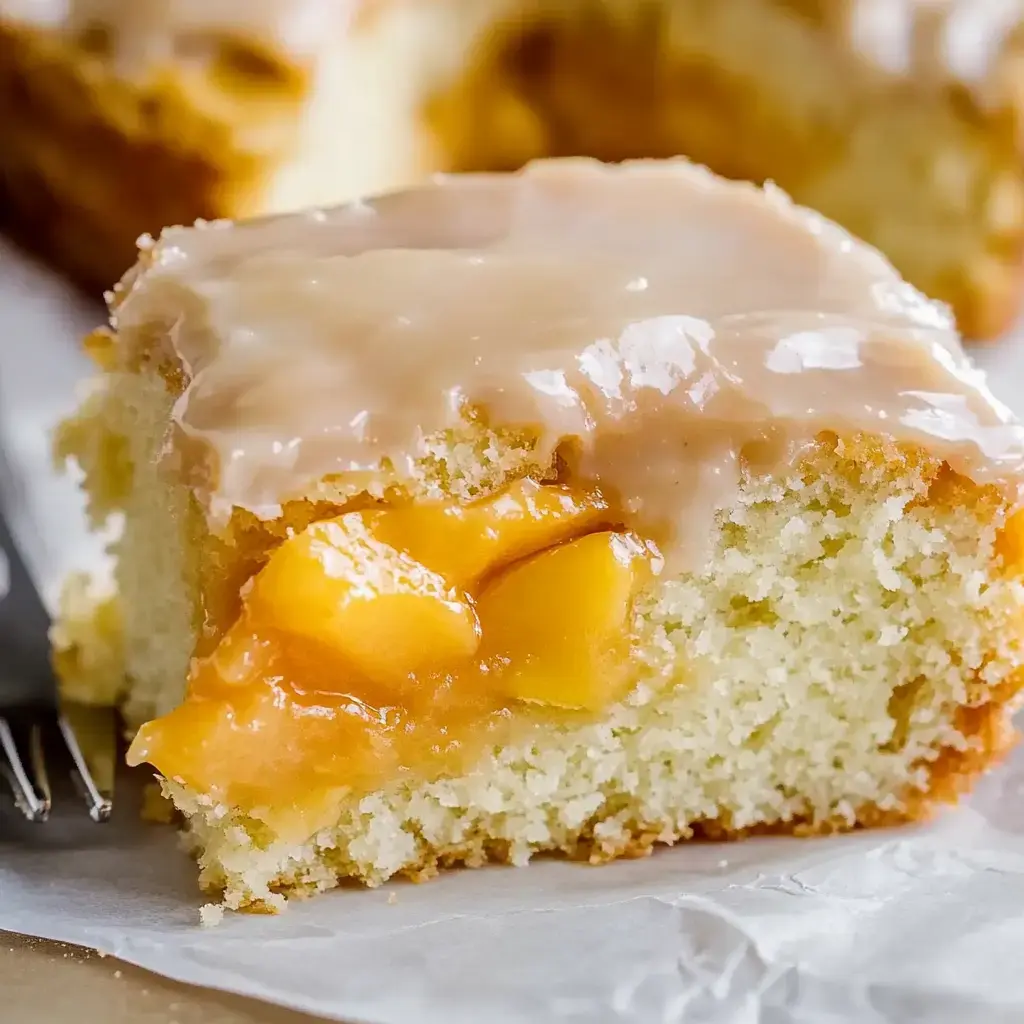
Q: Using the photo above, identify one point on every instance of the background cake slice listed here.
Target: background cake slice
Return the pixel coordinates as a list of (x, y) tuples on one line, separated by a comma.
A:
[(573, 510), (900, 119), (122, 118)]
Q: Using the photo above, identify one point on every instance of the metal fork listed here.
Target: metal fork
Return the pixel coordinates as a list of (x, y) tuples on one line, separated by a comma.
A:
[(37, 729)]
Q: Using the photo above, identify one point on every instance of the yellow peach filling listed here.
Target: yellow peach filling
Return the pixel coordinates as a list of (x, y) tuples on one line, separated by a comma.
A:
[(395, 641)]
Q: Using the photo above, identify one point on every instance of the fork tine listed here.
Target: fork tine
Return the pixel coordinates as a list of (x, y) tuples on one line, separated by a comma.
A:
[(30, 702), (24, 767), (90, 735)]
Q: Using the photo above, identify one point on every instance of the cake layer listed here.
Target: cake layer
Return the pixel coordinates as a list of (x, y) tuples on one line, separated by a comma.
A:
[(577, 509), (849, 656), (898, 119)]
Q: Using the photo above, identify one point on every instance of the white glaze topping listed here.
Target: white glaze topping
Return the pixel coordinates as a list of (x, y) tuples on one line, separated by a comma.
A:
[(671, 324)]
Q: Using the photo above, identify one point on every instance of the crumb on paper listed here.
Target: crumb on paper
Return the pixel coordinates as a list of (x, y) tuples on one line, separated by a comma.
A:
[(723, 863), (211, 915), (117, 974), (392, 898)]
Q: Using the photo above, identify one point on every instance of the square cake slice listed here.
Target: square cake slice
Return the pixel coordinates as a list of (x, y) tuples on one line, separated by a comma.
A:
[(578, 509)]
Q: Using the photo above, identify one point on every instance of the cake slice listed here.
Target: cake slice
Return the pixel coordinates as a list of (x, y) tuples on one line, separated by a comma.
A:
[(123, 117), (578, 509), (898, 118)]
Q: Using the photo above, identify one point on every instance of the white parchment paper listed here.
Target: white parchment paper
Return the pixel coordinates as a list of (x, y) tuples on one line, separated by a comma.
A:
[(924, 924)]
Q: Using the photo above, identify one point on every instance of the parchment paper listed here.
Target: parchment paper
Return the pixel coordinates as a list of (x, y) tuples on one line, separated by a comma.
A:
[(924, 924)]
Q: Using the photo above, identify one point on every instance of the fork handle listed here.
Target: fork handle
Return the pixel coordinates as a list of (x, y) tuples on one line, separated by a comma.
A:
[(26, 675)]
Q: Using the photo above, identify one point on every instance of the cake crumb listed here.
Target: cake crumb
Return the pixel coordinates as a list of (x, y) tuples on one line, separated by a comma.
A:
[(117, 974), (211, 915), (392, 898)]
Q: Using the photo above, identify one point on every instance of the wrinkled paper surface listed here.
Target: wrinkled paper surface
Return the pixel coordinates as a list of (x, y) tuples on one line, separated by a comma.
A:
[(924, 924)]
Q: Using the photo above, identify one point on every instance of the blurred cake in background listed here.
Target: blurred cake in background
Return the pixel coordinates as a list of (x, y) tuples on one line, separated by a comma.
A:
[(898, 118)]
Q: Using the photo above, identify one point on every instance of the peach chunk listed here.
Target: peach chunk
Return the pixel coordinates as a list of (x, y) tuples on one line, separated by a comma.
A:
[(390, 639), (1010, 542), (465, 542), (382, 612), (556, 626), (256, 745), (272, 720)]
